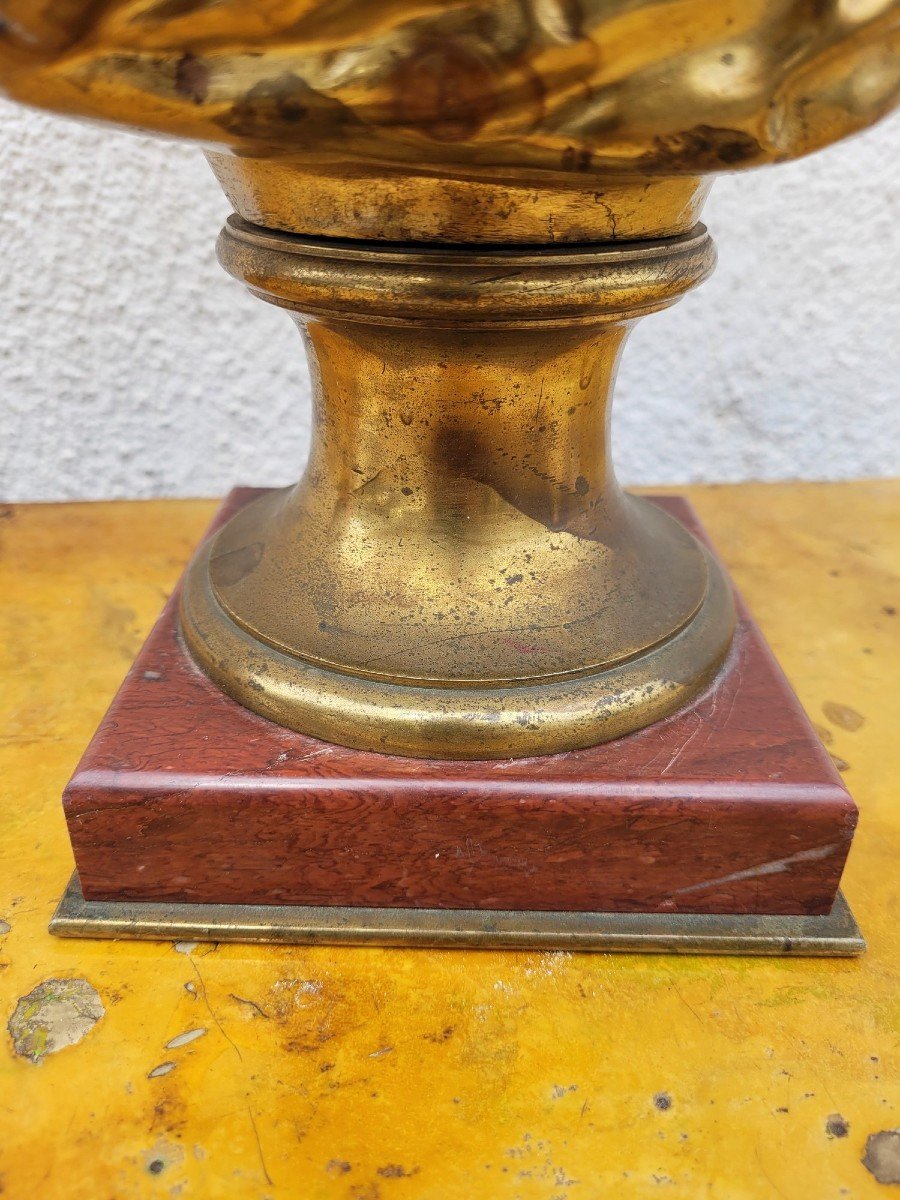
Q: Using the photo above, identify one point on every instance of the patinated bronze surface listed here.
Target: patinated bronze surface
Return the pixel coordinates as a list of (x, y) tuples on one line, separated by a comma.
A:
[(835, 935), (466, 120), (465, 206), (458, 574)]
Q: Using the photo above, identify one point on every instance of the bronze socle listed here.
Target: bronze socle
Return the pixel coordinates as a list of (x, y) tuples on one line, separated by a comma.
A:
[(464, 206), (458, 574), (835, 935)]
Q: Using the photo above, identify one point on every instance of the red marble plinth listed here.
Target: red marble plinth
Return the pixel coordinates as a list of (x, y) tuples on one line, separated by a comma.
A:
[(730, 806)]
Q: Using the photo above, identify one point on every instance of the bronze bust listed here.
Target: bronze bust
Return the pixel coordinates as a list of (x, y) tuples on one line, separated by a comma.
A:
[(466, 206)]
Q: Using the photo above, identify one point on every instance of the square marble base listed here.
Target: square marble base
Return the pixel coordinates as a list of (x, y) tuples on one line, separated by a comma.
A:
[(731, 806)]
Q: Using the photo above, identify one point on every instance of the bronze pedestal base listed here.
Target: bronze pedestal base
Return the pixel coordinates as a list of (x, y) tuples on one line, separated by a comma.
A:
[(835, 935), (189, 803), (458, 574)]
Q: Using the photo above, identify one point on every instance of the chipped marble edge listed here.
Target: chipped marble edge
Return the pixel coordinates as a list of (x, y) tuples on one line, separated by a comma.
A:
[(834, 935)]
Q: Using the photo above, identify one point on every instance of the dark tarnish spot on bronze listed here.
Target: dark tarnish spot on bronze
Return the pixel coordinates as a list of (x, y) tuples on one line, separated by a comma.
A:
[(560, 508), (843, 716), (882, 1157), (170, 10), (273, 107), (232, 566), (836, 1126), (576, 159), (192, 78), (703, 148), (444, 90)]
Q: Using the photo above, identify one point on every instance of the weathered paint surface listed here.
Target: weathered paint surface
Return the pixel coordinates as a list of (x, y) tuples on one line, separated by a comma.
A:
[(55, 1014), (373, 1074), (883, 1155)]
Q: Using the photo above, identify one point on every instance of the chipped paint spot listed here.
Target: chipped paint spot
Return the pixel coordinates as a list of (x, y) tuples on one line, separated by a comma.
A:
[(836, 1126), (882, 1157), (186, 947), (337, 1167), (444, 1036), (662, 1101), (56, 1014), (184, 1039), (4, 927), (843, 716), (395, 1171), (162, 1156), (537, 1158), (162, 1069), (361, 1192), (299, 987)]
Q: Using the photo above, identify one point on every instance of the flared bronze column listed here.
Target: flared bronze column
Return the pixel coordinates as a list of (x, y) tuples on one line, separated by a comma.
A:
[(458, 573)]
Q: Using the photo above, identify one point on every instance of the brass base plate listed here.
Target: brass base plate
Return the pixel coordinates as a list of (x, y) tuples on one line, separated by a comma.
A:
[(835, 935)]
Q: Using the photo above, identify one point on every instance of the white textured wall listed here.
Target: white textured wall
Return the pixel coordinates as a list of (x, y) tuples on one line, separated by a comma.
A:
[(130, 365)]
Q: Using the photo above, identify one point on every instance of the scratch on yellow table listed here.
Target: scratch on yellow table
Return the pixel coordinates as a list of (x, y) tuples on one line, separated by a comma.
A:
[(160, 1070)]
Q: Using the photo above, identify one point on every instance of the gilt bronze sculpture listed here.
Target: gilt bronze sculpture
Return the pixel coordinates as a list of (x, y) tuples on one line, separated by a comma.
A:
[(465, 206)]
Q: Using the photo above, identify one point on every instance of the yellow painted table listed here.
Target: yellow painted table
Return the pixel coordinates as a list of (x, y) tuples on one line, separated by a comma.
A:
[(373, 1074)]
